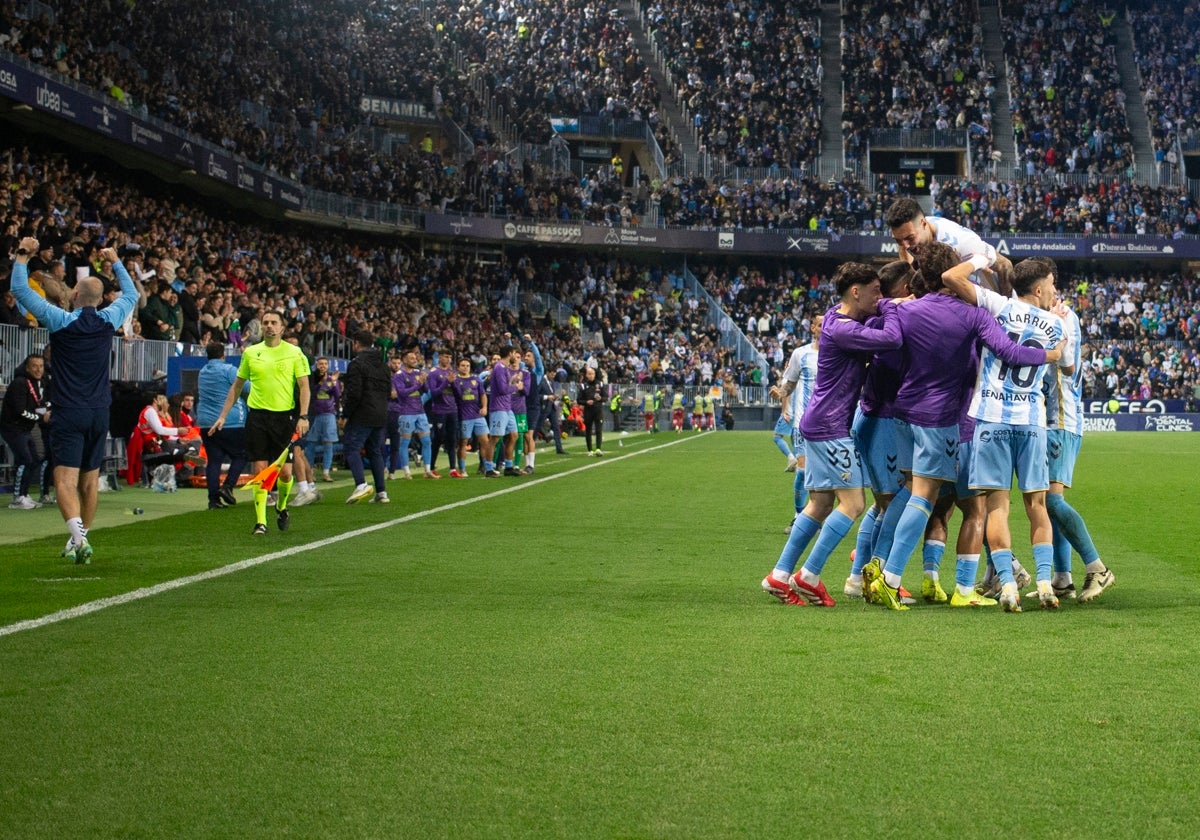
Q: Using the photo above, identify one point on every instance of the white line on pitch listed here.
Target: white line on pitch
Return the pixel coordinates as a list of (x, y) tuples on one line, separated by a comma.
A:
[(178, 583), (65, 580)]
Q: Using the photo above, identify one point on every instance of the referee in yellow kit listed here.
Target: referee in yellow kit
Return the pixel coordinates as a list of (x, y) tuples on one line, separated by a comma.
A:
[(277, 371)]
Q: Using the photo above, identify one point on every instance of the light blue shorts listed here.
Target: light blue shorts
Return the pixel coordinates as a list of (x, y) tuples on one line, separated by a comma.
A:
[(501, 423), (476, 426), (1062, 447), (1000, 450), (962, 485), (782, 427), (323, 429), (799, 446), (411, 424), (832, 465), (902, 435), (875, 438), (934, 449)]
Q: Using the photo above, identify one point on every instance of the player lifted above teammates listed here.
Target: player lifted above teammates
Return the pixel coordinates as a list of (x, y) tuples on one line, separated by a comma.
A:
[(913, 230)]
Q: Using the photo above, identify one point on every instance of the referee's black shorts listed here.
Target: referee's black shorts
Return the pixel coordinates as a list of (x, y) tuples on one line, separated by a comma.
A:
[(268, 433)]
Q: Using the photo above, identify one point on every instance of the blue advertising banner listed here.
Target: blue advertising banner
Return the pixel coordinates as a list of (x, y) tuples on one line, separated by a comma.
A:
[(1125, 406), (859, 244), (163, 142), (1141, 423)]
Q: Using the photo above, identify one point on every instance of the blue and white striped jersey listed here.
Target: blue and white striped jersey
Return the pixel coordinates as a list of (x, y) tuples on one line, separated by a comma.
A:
[(1064, 392), (1007, 393), (801, 369), (964, 241)]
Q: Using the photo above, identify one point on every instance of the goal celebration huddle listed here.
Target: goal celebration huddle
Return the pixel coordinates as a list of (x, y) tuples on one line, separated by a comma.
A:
[(934, 381)]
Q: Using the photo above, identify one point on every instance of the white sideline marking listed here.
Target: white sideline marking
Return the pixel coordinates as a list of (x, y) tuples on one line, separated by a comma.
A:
[(166, 586)]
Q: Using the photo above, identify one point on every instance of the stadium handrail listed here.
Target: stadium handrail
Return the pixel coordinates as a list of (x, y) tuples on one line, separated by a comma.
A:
[(717, 316), (919, 138), (141, 360)]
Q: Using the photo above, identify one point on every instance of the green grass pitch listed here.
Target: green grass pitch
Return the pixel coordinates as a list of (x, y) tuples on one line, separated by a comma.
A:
[(587, 653)]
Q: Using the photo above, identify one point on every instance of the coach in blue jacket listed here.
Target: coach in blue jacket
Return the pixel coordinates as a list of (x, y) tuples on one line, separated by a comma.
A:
[(227, 442), (81, 340)]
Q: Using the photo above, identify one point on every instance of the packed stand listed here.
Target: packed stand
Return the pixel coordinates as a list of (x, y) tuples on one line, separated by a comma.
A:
[(1143, 334), (213, 279), (210, 279), (1065, 85), (207, 279), (749, 74), (640, 324), (574, 58), (1098, 208), (773, 305), (916, 71), (1166, 42), (772, 204), (1141, 329), (299, 68)]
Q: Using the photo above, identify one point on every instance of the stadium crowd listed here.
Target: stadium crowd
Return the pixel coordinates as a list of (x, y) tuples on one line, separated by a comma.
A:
[(575, 58), (1065, 85), (1097, 208), (1166, 48), (297, 111), (923, 70), (749, 74), (211, 279), (214, 278), (266, 80), (1142, 327)]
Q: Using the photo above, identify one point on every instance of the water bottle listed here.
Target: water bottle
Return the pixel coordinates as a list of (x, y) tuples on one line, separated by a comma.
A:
[(138, 511)]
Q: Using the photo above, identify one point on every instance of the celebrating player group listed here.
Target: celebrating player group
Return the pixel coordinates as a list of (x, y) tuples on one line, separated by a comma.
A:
[(938, 378)]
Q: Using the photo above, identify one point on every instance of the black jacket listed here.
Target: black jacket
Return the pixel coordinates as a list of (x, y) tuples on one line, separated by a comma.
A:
[(593, 391), (545, 391), (190, 330), (366, 387), (20, 403)]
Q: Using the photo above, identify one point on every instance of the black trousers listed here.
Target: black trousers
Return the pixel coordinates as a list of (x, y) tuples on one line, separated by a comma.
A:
[(226, 445), (593, 423)]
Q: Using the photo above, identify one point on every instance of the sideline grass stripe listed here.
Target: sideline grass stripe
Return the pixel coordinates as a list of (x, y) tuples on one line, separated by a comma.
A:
[(167, 586)]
